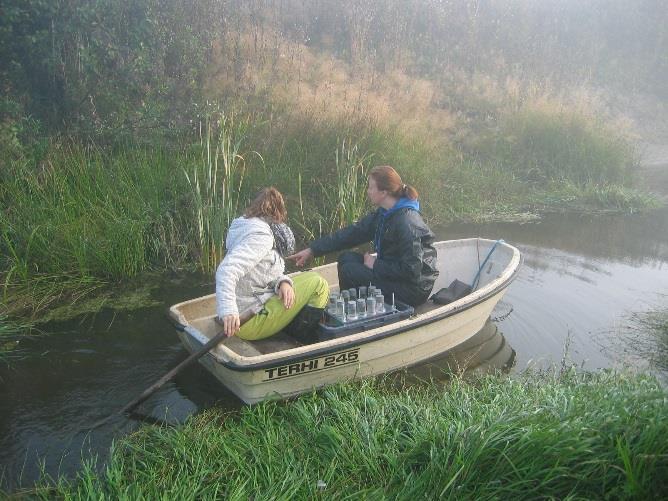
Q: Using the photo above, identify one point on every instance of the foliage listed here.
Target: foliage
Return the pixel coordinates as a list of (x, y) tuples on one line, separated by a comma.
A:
[(120, 68), (217, 184), (109, 68), (99, 213), (351, 177)]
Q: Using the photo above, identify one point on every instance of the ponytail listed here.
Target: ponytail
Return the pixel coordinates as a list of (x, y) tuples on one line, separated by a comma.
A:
[(409, 192)]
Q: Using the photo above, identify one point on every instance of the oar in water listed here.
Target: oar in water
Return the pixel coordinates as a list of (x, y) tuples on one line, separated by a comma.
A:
[(167, 377)]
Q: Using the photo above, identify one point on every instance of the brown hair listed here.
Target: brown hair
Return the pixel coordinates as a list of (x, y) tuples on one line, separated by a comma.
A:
[(388, 179), (268, 204)]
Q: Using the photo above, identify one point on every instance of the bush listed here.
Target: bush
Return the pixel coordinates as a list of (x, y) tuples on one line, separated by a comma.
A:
[(540, 144)]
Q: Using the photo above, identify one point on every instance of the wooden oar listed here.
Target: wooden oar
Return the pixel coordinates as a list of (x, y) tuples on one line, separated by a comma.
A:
[(167, 377)]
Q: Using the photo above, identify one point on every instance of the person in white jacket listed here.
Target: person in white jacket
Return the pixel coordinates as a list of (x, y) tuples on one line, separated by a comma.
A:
[(251, 278)]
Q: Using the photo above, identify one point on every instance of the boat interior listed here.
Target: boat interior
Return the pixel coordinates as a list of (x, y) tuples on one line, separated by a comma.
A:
[(457, 259)]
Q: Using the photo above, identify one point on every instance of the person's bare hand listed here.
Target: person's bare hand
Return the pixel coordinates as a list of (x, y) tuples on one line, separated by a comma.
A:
[(231, 324), (369, 260), (302, 256), (286, 294)]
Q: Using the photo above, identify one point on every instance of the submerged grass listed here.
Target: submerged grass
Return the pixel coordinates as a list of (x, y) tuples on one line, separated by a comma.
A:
[(11, 334), (535, 435), (647, 332)]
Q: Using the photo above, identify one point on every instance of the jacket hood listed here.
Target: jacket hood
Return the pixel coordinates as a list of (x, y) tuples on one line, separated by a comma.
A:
[(401, 203), (241, 227)]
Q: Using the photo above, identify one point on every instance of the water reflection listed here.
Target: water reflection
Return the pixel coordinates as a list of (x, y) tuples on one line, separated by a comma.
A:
[(486, 352)]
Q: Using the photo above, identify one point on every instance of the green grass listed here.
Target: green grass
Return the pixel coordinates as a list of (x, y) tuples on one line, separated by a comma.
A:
[(530, 436), (95, 212)]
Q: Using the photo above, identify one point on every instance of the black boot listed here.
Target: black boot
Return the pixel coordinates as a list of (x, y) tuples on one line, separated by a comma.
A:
[(304, 327)]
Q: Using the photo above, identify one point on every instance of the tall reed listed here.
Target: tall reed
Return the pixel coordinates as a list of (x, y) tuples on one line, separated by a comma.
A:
[(216, 184), (349, 196)]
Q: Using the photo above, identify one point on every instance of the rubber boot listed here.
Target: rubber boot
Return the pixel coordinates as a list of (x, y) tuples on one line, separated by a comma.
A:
[(304, 327)]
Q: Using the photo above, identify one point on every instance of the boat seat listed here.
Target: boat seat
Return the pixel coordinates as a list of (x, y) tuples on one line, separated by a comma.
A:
[(241, 347), (277, 342)]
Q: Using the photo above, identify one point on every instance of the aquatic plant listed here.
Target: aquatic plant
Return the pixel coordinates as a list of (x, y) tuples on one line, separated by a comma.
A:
[(216, 182), (85, 209), (11, 334), (349, 199)]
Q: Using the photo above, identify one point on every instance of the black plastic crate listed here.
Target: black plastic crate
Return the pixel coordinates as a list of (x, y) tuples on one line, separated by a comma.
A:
[(332, 327)]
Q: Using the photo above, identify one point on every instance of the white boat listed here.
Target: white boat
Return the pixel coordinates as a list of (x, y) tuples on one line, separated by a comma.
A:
[(281, 366)]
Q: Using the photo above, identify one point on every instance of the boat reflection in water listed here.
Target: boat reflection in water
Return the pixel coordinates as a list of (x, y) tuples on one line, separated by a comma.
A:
[(486, 352)]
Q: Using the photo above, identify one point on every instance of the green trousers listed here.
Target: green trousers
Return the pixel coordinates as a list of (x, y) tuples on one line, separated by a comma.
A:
[(310, 289)]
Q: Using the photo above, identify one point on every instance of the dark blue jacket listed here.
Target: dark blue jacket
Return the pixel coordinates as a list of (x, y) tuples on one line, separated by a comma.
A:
[(403, 241)]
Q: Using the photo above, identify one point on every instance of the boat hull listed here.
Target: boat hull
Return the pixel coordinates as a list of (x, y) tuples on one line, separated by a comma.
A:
[(404, 349)]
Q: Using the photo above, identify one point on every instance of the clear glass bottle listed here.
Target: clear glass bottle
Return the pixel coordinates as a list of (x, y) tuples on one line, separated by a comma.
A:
[(352, 310), (370, 306), (361, 307), (340, 309), (380, 303)]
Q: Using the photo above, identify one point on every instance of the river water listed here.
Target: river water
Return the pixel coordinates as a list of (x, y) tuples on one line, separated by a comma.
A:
[(584, 283)]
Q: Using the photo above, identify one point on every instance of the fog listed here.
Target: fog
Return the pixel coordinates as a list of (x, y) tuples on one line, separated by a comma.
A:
[(121, 64)]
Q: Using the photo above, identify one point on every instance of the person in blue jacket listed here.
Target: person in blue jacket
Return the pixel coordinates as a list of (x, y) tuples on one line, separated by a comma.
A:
[(405, 261)]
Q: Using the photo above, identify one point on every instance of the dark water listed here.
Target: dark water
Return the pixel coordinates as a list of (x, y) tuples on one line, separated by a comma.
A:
[(583, 280)]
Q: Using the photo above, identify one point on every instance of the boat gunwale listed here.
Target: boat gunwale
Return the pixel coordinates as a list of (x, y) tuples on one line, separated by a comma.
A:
[(343, 344)]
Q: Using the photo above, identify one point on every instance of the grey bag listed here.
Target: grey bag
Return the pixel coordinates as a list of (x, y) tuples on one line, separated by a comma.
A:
[(456, 290)]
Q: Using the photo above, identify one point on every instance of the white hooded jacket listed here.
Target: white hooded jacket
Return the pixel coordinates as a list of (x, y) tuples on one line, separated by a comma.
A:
[(252, 269)]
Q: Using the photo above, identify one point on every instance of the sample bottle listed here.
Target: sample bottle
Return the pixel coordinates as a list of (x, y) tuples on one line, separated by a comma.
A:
[(370, 306), (380, 303), (352, 309), (361, 307), (340, 309), (331, 305)]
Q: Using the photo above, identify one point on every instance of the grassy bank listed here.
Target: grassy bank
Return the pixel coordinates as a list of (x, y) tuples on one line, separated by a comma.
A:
[(535, 435)]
